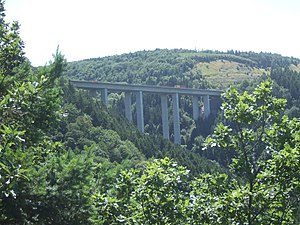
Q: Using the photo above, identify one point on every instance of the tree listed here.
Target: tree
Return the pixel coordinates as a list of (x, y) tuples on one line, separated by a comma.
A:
[(11, 58), (157, 194), (11, 51), (261, 145), (262, 186), (29, 107), (61, 189)]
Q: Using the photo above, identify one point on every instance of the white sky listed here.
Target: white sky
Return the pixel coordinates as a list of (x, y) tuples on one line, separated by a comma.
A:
[(95, 28)]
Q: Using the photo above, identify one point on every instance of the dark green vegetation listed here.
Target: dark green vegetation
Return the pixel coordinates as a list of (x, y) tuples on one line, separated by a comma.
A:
[(65, 159)]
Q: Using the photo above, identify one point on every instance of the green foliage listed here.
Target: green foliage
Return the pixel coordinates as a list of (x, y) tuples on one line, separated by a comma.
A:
[(30, 107), (154, 195), (11, 51), (63, 186), (12, 137), (28, 112), (161, 193), (159, 67), (258, 140), (287, 86), (206, 196)]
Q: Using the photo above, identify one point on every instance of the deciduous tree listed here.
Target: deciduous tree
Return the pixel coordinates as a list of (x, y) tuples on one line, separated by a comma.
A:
[(261, 145)]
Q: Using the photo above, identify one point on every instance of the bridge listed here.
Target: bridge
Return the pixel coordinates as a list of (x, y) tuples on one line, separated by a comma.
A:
[(138, 90)]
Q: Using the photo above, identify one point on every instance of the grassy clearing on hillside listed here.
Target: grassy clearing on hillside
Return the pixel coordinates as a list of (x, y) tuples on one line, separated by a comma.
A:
[(224, 73), (295, 68), (216, 56)]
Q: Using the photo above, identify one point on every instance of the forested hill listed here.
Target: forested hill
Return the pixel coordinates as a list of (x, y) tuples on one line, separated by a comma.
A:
[(181, 67), (194, 69)]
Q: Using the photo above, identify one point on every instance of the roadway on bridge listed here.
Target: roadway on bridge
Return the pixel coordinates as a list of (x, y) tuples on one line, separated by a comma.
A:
[(144, 88)]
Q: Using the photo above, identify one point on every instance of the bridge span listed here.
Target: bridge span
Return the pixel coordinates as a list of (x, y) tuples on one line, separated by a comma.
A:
[(138, 90)]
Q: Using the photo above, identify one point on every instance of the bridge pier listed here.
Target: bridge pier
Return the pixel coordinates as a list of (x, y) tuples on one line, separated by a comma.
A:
[(175, 99), (164, 112), (196, 113), (93, 87), (139, 111), (104, 96), (206, 103), (127, 102)]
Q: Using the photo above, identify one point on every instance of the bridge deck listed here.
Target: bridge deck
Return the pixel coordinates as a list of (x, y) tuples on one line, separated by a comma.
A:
[(144, 88)]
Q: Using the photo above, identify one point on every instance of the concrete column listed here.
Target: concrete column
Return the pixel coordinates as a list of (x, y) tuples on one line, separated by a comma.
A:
[(195, 107), (127, 102), (206, 106), (139, 111), (104, 96), (175, 99), (164, 116)]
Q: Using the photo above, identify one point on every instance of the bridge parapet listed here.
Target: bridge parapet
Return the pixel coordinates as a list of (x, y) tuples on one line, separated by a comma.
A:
[(116, 87)]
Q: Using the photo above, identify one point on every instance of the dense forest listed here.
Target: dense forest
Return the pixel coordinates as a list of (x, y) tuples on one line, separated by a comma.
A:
[(67, 159)]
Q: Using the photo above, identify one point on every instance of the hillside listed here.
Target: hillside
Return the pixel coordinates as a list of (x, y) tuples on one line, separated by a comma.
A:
[(90, 124), (224, 73), (180, 67), (206, 69)]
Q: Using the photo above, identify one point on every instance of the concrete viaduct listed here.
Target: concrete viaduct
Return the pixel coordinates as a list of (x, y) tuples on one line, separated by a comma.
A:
[(138, 90)]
